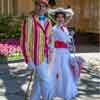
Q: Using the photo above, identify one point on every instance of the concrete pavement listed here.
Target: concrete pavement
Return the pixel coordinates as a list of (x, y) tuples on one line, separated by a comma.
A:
[(14, 79)]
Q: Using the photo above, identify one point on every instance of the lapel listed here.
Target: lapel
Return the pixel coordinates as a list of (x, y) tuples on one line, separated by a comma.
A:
[(46, 24)]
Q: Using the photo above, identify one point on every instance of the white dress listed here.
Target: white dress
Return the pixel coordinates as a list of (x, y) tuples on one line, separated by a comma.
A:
[(63, 82)]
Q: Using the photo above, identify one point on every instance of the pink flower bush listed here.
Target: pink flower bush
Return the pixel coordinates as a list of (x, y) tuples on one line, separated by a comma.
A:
[(8, 47)]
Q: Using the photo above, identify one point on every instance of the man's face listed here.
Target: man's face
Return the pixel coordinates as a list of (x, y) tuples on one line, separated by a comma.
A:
[(41, 8)]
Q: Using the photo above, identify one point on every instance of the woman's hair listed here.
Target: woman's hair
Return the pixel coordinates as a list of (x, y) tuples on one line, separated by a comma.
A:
[(57, 13)]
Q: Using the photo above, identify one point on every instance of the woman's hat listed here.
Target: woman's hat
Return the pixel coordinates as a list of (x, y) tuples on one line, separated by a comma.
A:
[(68, 12)]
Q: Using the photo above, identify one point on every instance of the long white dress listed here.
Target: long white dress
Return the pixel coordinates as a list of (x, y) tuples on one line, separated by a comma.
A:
[(63, 82)]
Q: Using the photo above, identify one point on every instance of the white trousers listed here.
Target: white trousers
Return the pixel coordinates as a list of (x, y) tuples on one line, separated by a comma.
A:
[(42, 83)]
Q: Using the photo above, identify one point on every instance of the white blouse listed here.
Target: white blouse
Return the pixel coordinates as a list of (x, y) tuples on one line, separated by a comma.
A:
[(61, 35)]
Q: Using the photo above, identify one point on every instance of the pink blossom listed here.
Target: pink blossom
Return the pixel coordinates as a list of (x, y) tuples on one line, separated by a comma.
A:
[(8, 47)]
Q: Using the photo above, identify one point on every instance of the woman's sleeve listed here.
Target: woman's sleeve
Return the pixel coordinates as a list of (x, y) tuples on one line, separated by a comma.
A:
[(51, 39)]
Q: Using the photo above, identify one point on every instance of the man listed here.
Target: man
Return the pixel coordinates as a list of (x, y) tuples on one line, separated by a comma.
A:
[(37, 49)]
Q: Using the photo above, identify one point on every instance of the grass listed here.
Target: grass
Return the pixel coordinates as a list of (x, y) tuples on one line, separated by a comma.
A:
[(15, 57)]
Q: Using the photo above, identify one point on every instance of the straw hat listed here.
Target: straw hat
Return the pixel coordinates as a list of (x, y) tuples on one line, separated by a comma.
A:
[(41, 1), (68, 12)]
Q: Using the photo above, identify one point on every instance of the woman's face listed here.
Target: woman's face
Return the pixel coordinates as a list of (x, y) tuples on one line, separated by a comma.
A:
[(60, 19)]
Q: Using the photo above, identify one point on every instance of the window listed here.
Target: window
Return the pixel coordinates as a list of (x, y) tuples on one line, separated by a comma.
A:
[(8, 7)]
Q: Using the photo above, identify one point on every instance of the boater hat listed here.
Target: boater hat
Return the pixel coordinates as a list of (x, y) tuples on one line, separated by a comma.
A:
[(41, 1), (68, 12)]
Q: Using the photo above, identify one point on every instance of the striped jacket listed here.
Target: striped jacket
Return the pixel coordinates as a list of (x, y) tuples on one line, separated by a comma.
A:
[(35, 39)]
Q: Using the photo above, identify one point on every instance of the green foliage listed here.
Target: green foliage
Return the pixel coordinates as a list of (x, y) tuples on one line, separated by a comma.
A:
[(15, 56), (10, 27), (3, 59)]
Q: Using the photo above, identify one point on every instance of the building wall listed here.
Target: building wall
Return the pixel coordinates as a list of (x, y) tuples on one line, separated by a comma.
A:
[(86, 18), (25, 6)]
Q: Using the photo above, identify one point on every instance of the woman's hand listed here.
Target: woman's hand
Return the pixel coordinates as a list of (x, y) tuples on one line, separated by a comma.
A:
[(50, 56)]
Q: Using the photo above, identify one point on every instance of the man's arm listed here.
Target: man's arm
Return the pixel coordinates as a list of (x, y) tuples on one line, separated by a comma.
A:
[(50, 45), (23, 40), (25, 43)]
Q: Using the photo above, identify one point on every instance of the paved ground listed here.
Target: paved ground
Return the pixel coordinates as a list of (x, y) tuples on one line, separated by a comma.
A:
[(14, 77)]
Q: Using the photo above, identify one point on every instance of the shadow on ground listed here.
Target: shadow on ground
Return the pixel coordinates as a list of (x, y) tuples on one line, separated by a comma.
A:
[(12, 81), (14, 78), (89, 85)]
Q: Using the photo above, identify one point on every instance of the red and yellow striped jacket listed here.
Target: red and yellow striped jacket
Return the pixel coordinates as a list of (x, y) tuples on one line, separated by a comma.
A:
[(35, 39)]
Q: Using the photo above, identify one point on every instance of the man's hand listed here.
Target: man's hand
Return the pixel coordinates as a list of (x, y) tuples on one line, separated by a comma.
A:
[(31, 66)]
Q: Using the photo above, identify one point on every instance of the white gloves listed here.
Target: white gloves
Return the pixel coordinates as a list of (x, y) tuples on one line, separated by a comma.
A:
[(69, 39)]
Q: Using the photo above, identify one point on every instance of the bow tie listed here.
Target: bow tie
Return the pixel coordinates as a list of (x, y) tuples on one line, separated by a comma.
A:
[(42, 18)]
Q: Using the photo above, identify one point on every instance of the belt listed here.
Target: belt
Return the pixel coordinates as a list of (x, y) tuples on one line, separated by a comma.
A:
[(60, 44)]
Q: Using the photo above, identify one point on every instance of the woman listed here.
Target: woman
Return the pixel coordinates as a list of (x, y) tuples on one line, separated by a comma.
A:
[(64, 85)]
